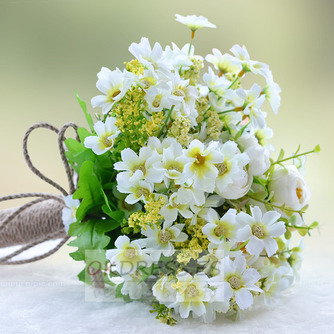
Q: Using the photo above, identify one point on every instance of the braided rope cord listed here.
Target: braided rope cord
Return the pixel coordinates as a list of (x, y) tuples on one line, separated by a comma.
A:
[(48, 206)]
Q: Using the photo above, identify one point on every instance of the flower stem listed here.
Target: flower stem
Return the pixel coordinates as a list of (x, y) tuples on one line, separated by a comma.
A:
[(240, 246), (292, 157)]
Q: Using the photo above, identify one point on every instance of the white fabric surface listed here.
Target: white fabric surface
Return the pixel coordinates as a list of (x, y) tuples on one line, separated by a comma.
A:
[(46, 297)]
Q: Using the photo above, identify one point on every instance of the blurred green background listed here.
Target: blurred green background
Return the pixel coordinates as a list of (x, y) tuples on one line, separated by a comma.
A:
[(49, 48)]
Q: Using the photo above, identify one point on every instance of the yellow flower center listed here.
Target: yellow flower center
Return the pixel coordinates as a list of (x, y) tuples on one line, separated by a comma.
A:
[(222, 168), (156, 102), (130, 253), (141, 168), (258, 231), (200, 160), (142, 192), (179, 92), (235, 282), (146, 83), (191, 290), (165, 236), (299, 193), (107, 142), (219, 230), (175, 167), (112, 94)]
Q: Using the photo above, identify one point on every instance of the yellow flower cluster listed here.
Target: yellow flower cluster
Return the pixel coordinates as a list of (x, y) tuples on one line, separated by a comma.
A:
[(134, 66), (180, 130), (214, 124), (195, 244), (193, 72), (202, 105), (133, 121), (151, 217)]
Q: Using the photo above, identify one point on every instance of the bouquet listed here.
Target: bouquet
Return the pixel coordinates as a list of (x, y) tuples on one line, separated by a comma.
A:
[(178, 200)]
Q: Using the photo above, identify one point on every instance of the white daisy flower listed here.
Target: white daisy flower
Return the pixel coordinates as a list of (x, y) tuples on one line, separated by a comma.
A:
[(194, 22), (191, 294), (139, 191), (234, 280), (232, 181), (223, 63), (70, 211), (256, 67), (173, 207), (180, 57), (153, 59), (160, 240), (219, 230), (187, 194), (114, 85), (133, 286), (253, 100), (220, 86), (145, 166), (260, 229), (163, 291), (158, 99), (173, 162), (124, 206), (202, 169), (184, 98), (128, 256), (106, 133)]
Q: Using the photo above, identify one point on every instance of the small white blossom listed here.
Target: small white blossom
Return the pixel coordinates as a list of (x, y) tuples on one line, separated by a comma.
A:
[(260, 229), (160, 240), (106, 133), (114, 85), (219, 230), (128, 255), (202, 168), (194, 22), (69, 212), (191, 294), (223, 63), (234, 280), (153, 59), (232, 181)]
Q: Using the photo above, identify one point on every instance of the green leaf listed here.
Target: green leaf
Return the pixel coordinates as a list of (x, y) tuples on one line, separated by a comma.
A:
[(83, 133), (281, 155), (87, 115), (77, 154), (302, 232), (317, 149), (314, 225), (91, 235), (116, 215), (89, 190), (288, 234)]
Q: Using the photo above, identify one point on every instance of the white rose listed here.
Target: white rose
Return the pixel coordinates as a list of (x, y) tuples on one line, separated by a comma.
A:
[(289, 187), (259, 156)]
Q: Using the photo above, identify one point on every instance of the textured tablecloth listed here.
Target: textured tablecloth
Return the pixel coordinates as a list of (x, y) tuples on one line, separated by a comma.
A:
[(46, 297)]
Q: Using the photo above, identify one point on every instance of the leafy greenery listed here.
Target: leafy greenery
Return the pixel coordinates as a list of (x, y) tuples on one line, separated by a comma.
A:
[(98, 218)]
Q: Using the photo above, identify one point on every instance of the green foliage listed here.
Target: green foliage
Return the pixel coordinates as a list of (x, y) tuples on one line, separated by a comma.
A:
[(89, 190), (98, 218), (84, 108), (164, 314)]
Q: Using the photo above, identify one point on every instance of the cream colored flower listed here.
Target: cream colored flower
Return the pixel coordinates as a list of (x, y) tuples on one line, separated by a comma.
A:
[(194, 22)]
